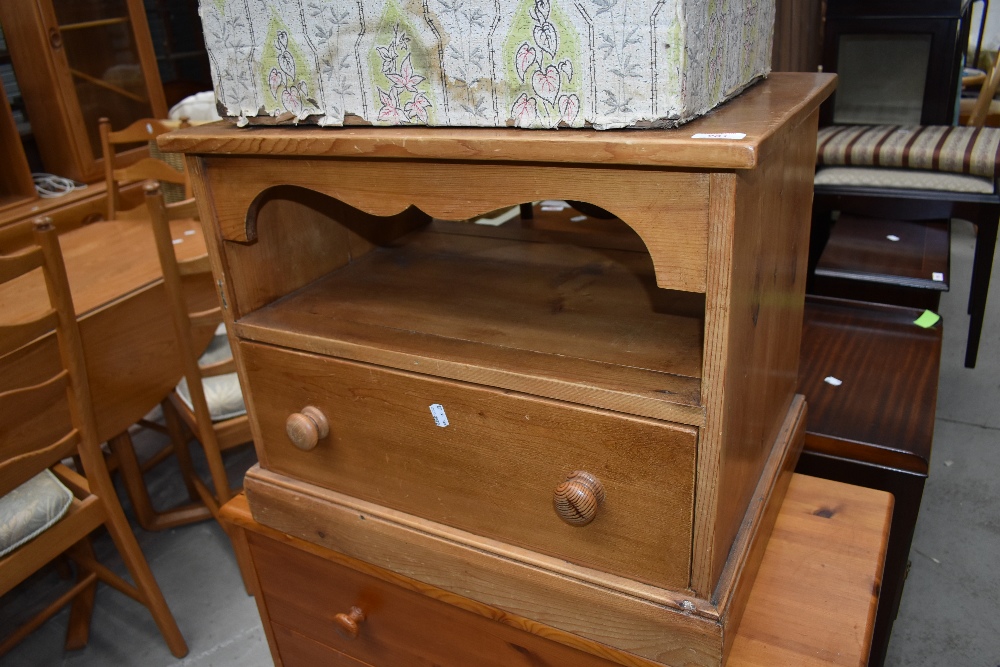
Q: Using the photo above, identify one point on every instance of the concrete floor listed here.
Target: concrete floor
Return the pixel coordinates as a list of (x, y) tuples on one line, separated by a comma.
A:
[(949, 610)]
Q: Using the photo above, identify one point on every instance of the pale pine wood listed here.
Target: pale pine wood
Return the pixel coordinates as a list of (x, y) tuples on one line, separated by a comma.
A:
[(385, 447), (97, 502), (399, 626), (48, 86), (828, 543), (18, 335), (642, 198), (16, 184), (324, 282), (753, 323), (145, 168), (131, 367), (599, 613), (590, 325), (981, 109), (14, 265), (759, 112), (186, 322), (736, 581)]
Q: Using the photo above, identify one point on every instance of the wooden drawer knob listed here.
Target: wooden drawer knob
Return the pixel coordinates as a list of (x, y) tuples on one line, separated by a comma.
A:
[(348, 624), (576, 500), (305, 429)]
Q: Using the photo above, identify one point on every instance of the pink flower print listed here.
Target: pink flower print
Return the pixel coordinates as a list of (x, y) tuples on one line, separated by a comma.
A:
[(525, 111), (569, 108), (546, 84), (390, 111), (291, 101), (524, 58), (406, 78), (274, 80), (418, 108)]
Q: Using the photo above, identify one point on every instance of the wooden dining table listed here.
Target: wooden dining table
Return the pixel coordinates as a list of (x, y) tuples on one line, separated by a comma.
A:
[(125, 324)]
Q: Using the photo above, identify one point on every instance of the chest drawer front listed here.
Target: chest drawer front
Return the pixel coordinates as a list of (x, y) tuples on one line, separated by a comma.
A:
[(493, 469), (305, 593)]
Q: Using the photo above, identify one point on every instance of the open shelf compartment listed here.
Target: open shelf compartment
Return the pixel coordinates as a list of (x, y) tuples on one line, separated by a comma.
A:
[(543, 306)]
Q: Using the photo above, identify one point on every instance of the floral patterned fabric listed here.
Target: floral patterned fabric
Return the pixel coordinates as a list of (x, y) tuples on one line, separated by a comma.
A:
[(524, 63), (222, 392), (31, 509)]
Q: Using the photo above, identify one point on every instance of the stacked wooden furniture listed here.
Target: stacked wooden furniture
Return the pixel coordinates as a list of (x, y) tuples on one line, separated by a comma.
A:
[(592, 439), (876, 428)]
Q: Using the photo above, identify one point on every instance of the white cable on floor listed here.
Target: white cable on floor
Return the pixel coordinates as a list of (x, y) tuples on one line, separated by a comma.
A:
[(50, 186)]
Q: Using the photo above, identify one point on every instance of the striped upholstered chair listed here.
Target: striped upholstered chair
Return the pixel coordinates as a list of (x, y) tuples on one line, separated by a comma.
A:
[(917, 174)]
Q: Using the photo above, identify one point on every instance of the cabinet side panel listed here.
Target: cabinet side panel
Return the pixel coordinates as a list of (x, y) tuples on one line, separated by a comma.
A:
[(756, 285)]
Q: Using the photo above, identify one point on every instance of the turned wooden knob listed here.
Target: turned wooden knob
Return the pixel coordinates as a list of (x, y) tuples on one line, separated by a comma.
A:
[(348, 624), (306, 428), (576, 500)]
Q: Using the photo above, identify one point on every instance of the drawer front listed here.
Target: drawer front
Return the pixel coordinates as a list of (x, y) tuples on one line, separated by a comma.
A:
[(304, 594), (493, 469)]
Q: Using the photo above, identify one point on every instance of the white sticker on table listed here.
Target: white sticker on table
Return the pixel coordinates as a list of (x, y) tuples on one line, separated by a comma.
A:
[(892, 237), (719, 135), (937, 277), (829, 379), (440, 418)]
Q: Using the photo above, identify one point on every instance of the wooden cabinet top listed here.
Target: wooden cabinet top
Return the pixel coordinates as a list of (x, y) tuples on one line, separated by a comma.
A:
[(782, 100)]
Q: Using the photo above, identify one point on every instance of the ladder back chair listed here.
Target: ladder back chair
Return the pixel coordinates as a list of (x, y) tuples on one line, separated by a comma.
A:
[(165, 168), (208, 400), (170, 172), (65, 506)]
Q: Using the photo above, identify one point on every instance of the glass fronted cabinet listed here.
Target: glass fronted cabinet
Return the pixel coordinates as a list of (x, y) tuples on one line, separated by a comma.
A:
[(76, 61)]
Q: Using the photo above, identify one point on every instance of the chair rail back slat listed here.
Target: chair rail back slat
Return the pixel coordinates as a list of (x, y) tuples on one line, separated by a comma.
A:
[(218, 368), (194, 267), (16, 467), (14, 336), (17, 264)]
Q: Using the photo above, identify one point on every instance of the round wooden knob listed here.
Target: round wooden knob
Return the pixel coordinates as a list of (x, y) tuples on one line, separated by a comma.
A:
[(348, 624), (306, 428), (576, 500)]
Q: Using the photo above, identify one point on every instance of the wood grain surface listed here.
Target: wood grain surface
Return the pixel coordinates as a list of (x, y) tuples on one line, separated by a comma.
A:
[(758, 112), (598, 613), (570, 323), (128, 340), (860, 249), (879, 414), (493, 468), (753, 319), (812, 604), (667, 208)]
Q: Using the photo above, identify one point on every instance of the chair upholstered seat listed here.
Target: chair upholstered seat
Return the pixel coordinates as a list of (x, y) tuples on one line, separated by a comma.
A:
[(222, 392), (31, 509), (904, 179), (963, 150)]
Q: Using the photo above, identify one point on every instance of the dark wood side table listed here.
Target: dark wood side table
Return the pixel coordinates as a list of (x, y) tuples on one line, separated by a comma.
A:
[(876, 428)]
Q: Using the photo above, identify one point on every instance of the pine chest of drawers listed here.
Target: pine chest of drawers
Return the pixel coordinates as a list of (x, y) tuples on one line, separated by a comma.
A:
[(586, 425)]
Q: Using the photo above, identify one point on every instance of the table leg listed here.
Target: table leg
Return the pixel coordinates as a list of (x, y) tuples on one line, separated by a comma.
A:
[(982, 267)]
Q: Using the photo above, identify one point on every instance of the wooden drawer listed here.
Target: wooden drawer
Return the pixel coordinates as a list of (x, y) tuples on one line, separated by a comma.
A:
[(303, 592), (493, 469)]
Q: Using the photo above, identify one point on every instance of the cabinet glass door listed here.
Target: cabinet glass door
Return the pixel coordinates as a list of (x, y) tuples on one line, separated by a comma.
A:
[(98, 38)]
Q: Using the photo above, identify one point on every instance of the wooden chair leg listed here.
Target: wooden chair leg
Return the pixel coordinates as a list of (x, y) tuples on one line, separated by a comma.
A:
[(179, 436), (135, 487), (131, 474), (80, 612), (147, 588)]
